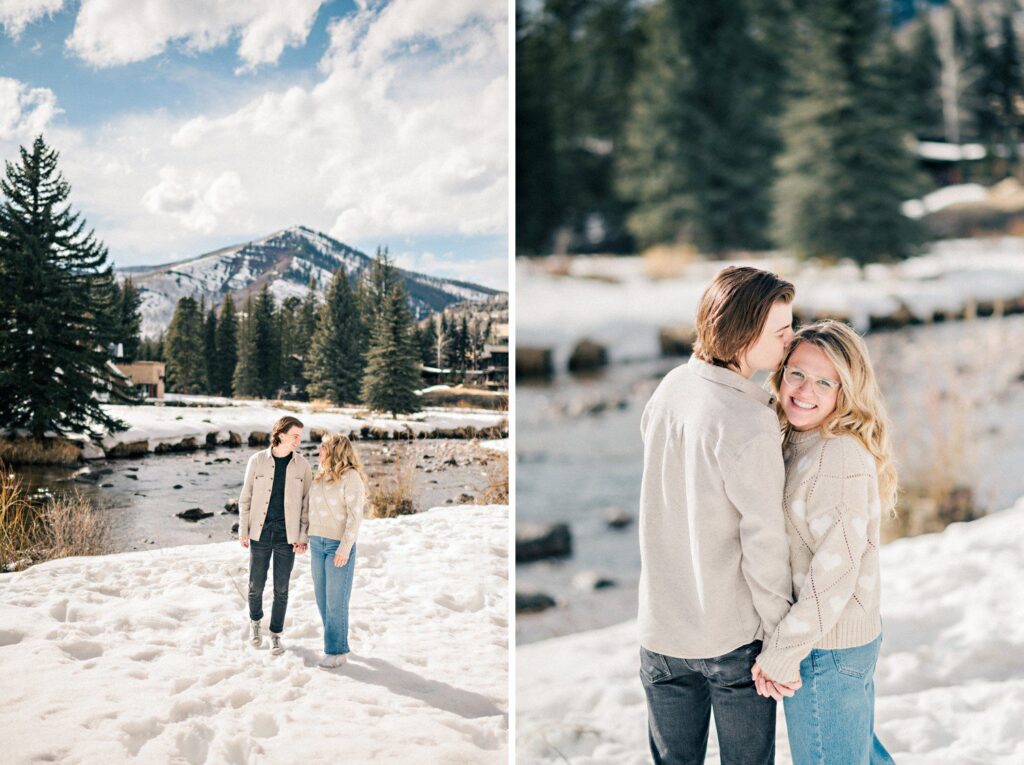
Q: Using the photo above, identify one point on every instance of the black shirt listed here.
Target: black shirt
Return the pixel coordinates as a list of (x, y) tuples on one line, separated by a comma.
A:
[(275, 512)]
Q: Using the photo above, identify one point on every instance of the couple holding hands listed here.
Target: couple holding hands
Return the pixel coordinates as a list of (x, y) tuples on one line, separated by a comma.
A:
[(759, 535), (284, 509)]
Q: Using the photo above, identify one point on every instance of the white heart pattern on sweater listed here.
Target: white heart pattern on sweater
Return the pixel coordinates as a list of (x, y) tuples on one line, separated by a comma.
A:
[(798, 508), (827, 560), (820, 525), (798, 580), (796, 626), (860, 525), (836, 603), (867, 581)]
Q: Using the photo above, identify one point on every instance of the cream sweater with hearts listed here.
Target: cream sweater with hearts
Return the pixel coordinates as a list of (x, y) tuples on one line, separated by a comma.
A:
[(833, 515), (336, 509)]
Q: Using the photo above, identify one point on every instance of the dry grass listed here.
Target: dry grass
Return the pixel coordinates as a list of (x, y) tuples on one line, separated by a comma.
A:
[(666, 261), (53, 527), (496, 492), (30, 451), (393, 495)]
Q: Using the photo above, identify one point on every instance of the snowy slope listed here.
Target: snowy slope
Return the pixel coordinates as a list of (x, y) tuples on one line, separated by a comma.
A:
[(142, 657), (950, 682), (286, 261)]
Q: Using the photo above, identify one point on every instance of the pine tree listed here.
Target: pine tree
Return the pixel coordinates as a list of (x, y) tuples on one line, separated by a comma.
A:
[(130, 320), (377, 284), (267, 344), (334, 367), (923, 82), (185, 349), (210, 346), (227, 349), (700, 140), (57, 287), (428, 340), (846, 168), (392, 369), (246, 381), (293, 346)]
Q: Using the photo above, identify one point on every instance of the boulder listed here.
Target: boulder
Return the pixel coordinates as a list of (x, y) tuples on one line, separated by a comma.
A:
[(194, 514), (533, 362), (234, 528), (316, 435), (588, 356), (231, 506), (537, 541), (533, 602), (676, 340), (591, 580), (129, 449), (617, 518), (234, 439), (259, 438)]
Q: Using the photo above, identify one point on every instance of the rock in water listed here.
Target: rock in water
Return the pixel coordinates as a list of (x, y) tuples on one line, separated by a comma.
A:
[(588, 356), (533, 602), (591, 580), (194, 514), (540, 541), (617, 518), (231, 506)]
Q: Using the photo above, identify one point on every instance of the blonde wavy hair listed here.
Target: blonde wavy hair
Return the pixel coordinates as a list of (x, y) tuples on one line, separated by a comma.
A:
[(340, 456), (860, 411)]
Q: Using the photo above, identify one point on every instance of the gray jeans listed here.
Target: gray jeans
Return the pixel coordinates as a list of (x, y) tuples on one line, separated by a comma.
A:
[(681, 694)]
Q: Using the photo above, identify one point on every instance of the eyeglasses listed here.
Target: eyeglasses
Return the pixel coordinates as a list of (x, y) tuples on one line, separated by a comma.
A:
[(822, 386)]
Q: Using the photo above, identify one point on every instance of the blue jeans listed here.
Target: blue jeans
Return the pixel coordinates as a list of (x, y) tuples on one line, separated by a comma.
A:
[(831, 719), (333, 588), (680, 696)]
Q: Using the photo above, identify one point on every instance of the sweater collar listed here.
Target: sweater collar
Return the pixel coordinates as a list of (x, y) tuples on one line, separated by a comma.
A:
[(806, 436), (731, 379)]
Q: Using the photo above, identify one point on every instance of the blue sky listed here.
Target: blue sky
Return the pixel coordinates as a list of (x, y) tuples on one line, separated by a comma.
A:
[(199, 125)]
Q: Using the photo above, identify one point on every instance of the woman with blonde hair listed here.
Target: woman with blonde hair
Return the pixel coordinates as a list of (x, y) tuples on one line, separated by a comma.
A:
[(335, 511), (840, 478)]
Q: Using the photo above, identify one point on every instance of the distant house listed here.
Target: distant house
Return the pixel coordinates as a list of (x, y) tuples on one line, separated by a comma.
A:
[(147, 376), (495, 365), (435, 375), (949, 163)]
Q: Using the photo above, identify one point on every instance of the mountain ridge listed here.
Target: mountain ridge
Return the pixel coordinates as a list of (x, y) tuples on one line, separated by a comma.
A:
[(285, 260)]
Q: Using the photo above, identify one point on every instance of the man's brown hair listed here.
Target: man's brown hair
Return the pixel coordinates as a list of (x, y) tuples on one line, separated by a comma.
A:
[(283, 426), (733, 310)]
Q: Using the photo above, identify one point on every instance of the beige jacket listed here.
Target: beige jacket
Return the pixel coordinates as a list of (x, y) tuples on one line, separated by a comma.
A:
[(714, 555), (254, 500), (336, 509)]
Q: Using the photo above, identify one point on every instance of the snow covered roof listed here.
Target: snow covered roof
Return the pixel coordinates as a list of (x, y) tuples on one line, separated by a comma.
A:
[(938, 151)]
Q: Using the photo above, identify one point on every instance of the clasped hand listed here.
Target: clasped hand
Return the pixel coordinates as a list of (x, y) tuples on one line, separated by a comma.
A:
[(768, 687)]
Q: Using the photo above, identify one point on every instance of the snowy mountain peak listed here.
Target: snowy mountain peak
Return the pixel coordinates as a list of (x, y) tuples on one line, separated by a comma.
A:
[(286, 261)]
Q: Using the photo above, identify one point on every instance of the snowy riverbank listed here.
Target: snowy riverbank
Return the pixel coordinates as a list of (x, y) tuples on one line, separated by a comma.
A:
[(950, 681), (614, 302), (209, 420), (143, 655)]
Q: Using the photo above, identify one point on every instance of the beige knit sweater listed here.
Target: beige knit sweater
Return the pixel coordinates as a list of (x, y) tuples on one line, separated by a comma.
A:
[(833, 514), (336, 509)]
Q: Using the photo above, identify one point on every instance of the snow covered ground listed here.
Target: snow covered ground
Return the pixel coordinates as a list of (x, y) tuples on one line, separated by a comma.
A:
[(613, 301), (143, 657), (170, 424), (950, 682)]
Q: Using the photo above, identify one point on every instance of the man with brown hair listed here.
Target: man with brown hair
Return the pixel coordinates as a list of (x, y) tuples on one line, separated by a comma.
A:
[(715, 575), (273, 522)]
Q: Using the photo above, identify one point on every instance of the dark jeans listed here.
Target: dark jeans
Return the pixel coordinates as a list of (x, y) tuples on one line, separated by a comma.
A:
[(681, 694), (273, 543)]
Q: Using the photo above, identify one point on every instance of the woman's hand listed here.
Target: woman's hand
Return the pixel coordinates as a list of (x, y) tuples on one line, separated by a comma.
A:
[(768, 687), (340, 559)]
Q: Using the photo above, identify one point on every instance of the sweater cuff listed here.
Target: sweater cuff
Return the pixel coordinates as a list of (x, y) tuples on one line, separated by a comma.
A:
[(781, 666)]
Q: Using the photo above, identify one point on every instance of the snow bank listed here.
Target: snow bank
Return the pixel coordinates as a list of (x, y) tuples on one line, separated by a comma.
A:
[(171, 424), (623, 308), (144, 655), (950, 681)]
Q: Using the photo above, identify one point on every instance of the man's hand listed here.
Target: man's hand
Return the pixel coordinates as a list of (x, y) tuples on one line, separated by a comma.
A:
[(299, 547), (768, 687), (244, 541)]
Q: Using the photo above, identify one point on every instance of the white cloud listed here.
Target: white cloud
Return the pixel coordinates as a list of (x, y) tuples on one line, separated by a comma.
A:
[(491, 271), (24, 111), (194, 200), (15, 15), (112, 32)]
